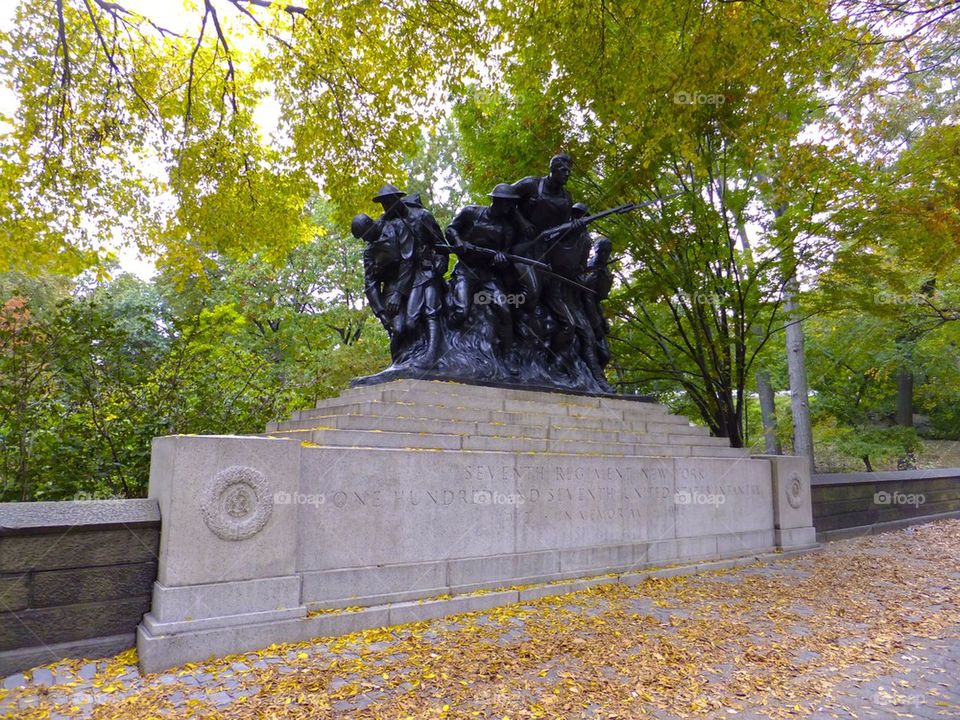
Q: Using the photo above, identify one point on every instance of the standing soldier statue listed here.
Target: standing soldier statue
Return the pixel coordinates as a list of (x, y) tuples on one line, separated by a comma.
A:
[(568, 301), (417, 299), (481, 237), (544, 201), (381, 275), (544, 204), (599, 279)]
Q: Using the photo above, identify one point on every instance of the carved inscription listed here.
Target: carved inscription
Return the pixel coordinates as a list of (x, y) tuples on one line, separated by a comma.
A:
[(563, 492)]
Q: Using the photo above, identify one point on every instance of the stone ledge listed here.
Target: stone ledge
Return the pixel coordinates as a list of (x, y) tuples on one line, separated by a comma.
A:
[(882, 527), (156, 627), (324, 589), (215, 600), (34, 517), (12, 661), (386, 377)]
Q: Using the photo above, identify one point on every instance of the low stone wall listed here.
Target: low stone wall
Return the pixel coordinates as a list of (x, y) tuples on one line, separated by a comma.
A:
[(849, 504), (75, 578)]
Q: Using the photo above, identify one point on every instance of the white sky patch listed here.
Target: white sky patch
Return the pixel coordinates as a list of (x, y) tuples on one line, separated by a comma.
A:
[(133, 262)]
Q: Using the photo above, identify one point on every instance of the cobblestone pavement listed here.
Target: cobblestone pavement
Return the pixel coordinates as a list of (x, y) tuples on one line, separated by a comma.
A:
[(865, 628)]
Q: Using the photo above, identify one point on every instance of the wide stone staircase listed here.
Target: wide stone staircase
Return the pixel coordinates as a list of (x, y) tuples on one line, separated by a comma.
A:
[(436, 415)]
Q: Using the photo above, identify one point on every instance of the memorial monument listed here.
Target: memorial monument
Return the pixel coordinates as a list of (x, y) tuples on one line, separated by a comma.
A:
[(490, 463), (522, 306)]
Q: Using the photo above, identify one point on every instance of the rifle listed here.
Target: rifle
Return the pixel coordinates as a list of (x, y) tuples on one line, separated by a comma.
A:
[(541, 266), (555, 233)]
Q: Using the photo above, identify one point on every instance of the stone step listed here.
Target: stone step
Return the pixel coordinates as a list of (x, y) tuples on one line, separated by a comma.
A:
[(449, 441), (496, 399), (464, 390), (560, 405), (533, 402), (660, 433), (553, 414), (506, 399)]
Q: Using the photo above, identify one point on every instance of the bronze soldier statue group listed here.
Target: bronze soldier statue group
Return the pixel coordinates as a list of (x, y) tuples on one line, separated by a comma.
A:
[(522, 305)]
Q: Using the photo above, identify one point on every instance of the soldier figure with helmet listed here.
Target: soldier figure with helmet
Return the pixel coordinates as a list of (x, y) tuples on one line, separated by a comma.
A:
[(407, 297), (524, 283), (480, 236)]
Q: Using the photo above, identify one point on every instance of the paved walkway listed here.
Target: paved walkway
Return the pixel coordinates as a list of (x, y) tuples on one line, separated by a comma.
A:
[(866, 628)]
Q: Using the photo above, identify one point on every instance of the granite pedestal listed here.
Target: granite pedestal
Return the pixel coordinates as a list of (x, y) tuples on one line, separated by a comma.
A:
[(403, 501)]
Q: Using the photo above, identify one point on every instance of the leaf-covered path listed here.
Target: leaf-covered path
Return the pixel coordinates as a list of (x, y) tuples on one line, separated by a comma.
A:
[(865, 628)]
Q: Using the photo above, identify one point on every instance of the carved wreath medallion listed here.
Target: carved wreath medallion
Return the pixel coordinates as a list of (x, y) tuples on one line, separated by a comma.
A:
[(795, 492), (237, 503)]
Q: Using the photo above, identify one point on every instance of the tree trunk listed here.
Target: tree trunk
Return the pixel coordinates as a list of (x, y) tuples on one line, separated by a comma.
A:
[(730, 420), (904, 414), (768, 414), (23, 463), (904, 397), (23, 474), (797, 371), (768, 411)]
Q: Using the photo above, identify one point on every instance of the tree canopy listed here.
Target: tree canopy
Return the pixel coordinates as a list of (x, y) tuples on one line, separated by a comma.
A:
[(805, 154)]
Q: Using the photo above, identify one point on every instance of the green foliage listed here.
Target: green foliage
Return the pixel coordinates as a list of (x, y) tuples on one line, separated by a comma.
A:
[(88, 377), (871, 445), (128, 130), (804, 141), (718, 119)]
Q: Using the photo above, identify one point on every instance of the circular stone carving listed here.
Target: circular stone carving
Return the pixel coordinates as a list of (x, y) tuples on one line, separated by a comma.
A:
[(795, 492), (237, 503)]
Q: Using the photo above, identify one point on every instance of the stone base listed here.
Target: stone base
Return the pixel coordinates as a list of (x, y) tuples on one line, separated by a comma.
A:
[(395, 494), (373, 585), (161, 652), (796, 538), (214, 601)]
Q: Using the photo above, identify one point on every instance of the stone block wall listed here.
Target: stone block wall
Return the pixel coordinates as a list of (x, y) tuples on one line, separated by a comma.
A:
[(75, 578), (849, 504)]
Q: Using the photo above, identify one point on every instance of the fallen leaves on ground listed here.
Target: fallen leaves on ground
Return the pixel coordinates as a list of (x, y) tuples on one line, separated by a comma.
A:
[(775, 640)]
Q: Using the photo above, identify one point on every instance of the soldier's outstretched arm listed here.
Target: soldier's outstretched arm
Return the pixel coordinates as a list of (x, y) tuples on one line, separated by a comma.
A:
[(459, 229)]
